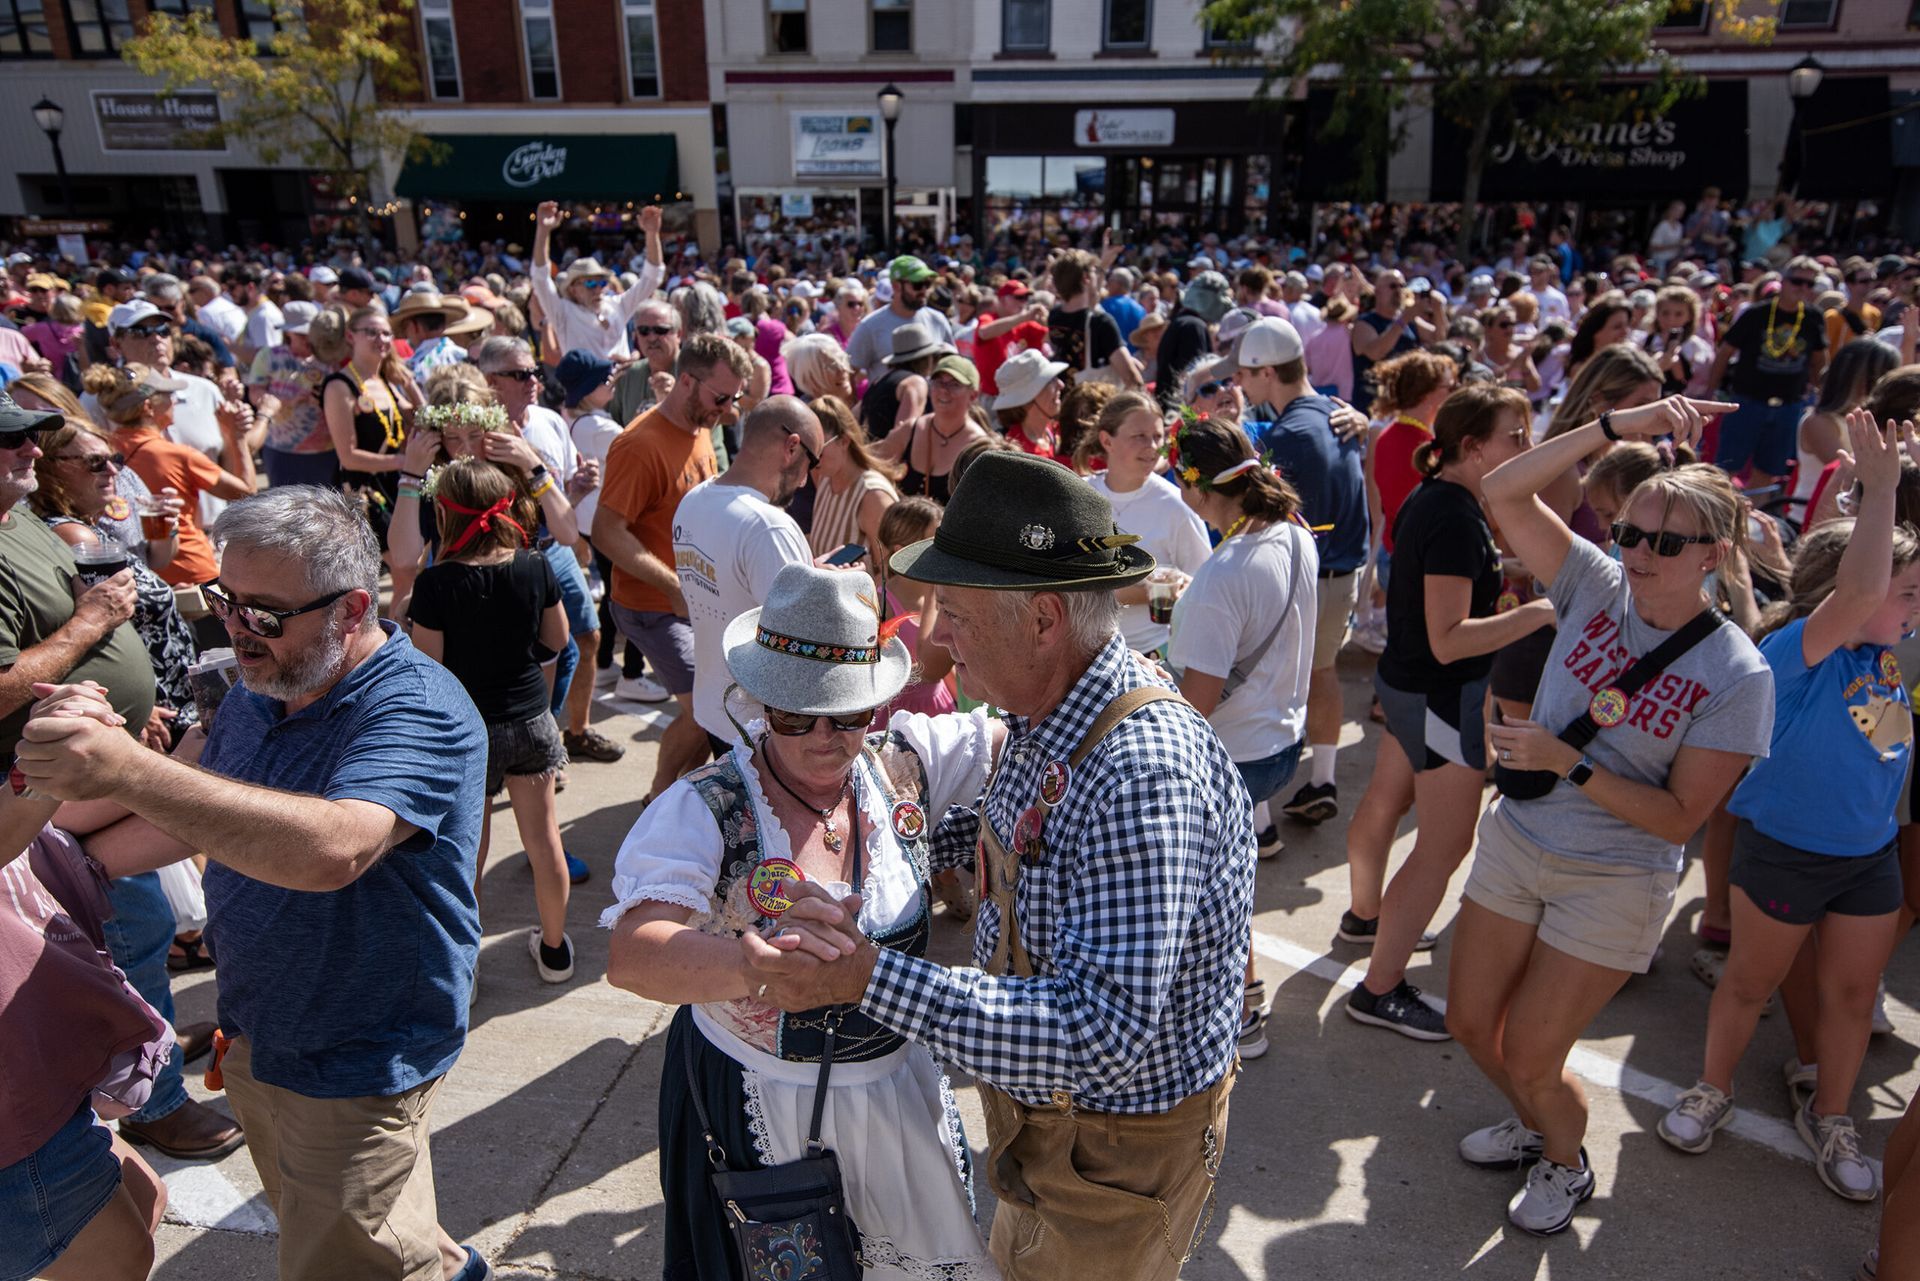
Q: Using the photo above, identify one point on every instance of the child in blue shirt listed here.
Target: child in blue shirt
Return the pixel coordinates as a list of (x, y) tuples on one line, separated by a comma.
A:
[(1815, 851)]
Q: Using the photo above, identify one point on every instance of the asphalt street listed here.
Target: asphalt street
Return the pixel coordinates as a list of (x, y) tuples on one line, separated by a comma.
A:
[(1340, 1159)]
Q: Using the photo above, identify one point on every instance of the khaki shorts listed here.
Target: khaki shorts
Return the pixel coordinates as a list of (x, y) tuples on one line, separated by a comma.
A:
[(351, 1180), (1607, 914), (1337, 597)]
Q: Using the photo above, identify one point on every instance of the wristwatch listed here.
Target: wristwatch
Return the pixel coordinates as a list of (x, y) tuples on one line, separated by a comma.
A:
[(1582, 771)]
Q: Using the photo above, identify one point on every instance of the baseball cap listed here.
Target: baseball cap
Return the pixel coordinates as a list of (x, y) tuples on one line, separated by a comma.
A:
[(807, 289), (1888, 266), (1294, 280), (128, 314), (111, 276), (581, 373), (299, 316), (959, 368), (1200, 262), (15, 417), (910, 269), (45, 280), (355, 278), (323, 275), (1641, 298), (1268, 341), (1316, 273), (1013, 289)]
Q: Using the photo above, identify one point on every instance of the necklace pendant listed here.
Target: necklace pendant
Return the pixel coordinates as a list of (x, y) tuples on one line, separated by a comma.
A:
[(833, 841)]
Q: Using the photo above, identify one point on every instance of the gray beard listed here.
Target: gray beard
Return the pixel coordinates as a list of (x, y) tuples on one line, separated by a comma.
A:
[(311, 671)]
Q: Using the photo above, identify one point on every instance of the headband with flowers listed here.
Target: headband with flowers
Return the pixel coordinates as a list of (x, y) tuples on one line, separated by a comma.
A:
[(441, 417), (1190, 474)]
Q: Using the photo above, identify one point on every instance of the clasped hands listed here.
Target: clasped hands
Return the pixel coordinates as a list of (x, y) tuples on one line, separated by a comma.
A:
[(815, 956)]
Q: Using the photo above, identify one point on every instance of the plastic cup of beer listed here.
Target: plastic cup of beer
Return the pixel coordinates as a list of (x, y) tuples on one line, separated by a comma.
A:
[(1163, 589), (97, 559), (156, 521)]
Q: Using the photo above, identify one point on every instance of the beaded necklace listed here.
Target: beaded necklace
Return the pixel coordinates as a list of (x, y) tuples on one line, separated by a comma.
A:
[(1767, 345), (388, 418)]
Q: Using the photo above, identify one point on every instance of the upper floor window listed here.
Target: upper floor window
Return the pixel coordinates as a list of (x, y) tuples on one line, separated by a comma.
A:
[(261, 22), (100, 27), (643, 54), (1127, 25), (787, 26), (543, 53), (1804, 15), (1215, 37), (1026, 26), (23, 29), (1683, 16), (443, 52), (182, 8), (892, 26)]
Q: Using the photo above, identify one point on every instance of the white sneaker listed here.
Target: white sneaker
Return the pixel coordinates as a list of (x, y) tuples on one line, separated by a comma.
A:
[(547, 973), (1837, 1157), (604, 676), (1692, 1121), (1371, 637), (1553, 1192), (640, 689), (1882, 1025), (1801, 1078), (1506, 1146)]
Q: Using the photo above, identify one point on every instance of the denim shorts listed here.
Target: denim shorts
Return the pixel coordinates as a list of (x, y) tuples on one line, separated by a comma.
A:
[(1265, 777), (519, 749), (574, 594), (48, 1198), (1759, 433)]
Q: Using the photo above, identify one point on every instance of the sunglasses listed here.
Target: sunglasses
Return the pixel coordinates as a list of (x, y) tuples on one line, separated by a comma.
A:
[(95, 463), (378, 335), (149, 331), (258, 619), (1501, 324), (813, 459), (1802, 282), (1214, 388), (792, 725), (719, 401), (1665, 543), (595, 283), (653, 331), (518, 375), (14, 440)]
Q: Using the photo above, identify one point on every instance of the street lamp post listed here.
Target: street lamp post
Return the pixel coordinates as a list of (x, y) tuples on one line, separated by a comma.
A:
[(1802, 83), (48, 115), (890, 112)]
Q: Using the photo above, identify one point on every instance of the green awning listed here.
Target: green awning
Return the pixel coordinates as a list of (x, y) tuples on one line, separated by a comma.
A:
[(532, 167)]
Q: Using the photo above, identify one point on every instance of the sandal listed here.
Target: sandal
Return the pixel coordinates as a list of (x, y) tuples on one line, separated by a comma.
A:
[(188, 954), (957, 897)]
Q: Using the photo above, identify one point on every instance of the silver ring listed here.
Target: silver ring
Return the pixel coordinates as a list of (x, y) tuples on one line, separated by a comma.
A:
[(1505, 755)]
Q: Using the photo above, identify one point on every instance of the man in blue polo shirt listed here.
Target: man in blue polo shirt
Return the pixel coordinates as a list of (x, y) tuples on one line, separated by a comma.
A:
[(1292, 424), (338, 800)]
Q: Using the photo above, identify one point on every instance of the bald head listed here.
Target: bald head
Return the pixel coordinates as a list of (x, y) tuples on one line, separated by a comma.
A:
[(776, 418)]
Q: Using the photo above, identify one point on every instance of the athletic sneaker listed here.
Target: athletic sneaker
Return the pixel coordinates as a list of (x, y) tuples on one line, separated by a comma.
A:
[(1506, 1146), (1270, 842), (1801, 1078), (1314, 804), (1553, 1192), (1354, 929), (578, 873), (1836, 1150), (1370, 636), (1253, 1020), (1403, 1010), (591, 745), (554, 963), (1690, 1124), (640, 689), (1882, 1025)]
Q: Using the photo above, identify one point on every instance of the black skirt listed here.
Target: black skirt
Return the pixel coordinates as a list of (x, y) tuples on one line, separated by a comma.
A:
[(697, 1244)]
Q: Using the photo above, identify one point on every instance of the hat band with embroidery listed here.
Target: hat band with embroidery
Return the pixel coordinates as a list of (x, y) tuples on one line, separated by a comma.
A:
[(819, 651), (1040, 552)]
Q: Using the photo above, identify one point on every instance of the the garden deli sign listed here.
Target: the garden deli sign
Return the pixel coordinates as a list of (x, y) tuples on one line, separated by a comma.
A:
[(1694, 143)]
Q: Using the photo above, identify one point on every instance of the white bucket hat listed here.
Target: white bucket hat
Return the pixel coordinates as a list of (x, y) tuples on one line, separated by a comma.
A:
[(1023, 377), (814, 648)]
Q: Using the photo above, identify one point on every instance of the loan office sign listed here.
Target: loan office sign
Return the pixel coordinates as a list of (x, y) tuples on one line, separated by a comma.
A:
[(1696, 142)]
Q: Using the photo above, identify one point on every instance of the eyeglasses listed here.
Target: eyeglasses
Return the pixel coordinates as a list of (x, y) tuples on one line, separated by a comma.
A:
[(1500, 324), (149, 331), (720, 400), (1665, 542), (813, 459), (792, 725), (518, 375), (1803, 282), (11, 441), (378, 335), (258, 619), (653, 331), (95, 463), (1861, 280)]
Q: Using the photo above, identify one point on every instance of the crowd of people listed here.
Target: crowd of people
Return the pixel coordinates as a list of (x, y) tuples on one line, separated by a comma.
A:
[(966, 587)]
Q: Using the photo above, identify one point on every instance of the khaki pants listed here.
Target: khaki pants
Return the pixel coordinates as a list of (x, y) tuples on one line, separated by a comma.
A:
[(351, 1180), (1086, 1194)]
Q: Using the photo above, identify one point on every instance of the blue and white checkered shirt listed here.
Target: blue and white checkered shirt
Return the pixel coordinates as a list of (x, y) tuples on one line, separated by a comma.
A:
[(1137, 919)]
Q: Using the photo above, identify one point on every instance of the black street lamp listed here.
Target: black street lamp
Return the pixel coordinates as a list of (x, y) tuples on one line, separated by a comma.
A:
[(1802, 83), (890, 112), (48, 115)]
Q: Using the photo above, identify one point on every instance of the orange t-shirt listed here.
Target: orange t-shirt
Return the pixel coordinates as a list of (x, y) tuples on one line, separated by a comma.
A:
[(161, 462), (650, 467)]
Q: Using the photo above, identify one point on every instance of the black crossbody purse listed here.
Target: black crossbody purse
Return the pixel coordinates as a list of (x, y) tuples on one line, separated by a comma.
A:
[(1611, 704)]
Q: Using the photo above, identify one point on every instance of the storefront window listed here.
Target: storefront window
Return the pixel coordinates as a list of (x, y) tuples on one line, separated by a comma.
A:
[(807, 221)]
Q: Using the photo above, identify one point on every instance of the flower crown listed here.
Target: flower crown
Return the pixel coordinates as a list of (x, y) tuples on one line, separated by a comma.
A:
[(1190, 474), (441, 417)]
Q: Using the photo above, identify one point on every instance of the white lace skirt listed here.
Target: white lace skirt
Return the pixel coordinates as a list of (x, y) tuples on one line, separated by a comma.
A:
[(893, 1124)]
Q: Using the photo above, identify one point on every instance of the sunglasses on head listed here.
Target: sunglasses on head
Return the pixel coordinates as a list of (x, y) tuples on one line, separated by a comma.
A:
[(1665, 543), (793, 725), (653, 331), (258, 619), (96, 463), (518, 375)]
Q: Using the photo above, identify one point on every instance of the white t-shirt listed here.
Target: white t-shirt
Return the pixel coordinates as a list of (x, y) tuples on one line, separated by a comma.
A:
[(1306, 319), (1226, 614), (265, 326), (547, 432), (1169, 532), (224, 316), (1553, 305), (593, 434), (729, 543)]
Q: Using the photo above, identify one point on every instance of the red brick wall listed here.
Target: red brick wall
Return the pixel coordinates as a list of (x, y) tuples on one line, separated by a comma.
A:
[(681, 32), (488, 33)]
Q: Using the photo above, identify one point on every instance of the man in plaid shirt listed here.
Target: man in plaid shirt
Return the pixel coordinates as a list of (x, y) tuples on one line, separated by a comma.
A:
[(1119, 840)]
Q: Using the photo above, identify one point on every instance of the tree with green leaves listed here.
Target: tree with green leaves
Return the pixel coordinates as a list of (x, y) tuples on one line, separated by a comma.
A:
[(1464, 59), (323, 91)]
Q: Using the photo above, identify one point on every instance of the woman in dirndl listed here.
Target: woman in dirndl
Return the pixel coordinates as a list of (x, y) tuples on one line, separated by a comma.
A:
[(813, 792)]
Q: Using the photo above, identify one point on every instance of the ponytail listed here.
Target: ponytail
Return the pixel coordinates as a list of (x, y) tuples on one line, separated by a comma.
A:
[(1426, 459), (1472, 413)]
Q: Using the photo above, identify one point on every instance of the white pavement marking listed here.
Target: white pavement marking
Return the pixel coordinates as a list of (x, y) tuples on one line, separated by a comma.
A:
[(200, 1196), (653, 715), (1589, 1065)]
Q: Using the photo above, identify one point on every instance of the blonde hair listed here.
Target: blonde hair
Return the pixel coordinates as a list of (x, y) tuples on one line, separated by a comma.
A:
[(838, 417), (52, 391), (1609, 377), (122, 393), (1699, 489), (52, 498)]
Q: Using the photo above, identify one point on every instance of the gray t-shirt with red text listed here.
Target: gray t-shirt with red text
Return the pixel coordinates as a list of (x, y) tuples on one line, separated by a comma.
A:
[(1718, 695)]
